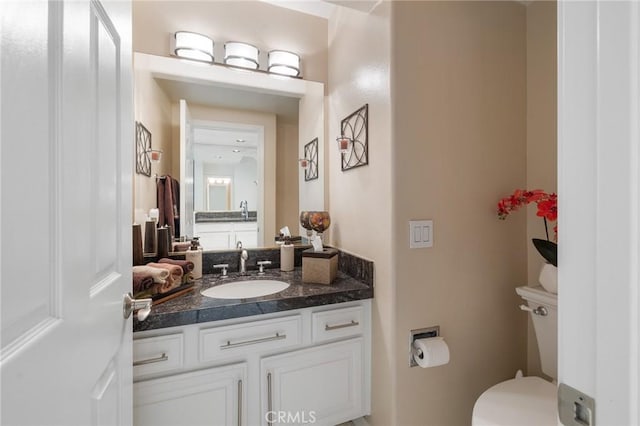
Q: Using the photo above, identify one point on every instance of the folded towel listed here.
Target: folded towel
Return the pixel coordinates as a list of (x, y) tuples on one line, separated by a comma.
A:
[(141, 282), (175, 275), (159, 275), (186, 265)]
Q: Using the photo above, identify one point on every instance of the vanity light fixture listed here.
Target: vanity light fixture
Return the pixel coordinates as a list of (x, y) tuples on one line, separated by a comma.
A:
[(284, 63), (243, 55), (343, 143), (193, 46), (219, 181)]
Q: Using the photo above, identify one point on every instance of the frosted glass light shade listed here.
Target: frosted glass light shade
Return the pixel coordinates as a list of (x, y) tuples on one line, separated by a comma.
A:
[(193, 46), (241, 55), (284, 63)]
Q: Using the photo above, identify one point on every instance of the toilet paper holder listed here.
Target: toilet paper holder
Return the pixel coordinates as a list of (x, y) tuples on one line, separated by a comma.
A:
[(420, 333)]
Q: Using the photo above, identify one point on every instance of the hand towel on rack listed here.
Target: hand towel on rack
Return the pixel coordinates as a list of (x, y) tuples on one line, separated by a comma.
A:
[(168, 195)]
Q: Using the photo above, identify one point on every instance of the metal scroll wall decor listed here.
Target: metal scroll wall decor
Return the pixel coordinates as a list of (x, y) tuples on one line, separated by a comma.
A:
[(143, 147), (311, 155), (356, 128)]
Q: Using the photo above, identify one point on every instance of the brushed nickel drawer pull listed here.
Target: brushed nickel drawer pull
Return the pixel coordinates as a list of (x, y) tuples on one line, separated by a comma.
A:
[(230, 345), (239, 402), (161, 358), (353, 323), (269, 400)]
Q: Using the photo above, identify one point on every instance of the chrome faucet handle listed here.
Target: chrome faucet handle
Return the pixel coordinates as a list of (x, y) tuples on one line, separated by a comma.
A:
[(239, 245), (261, 264), (223, 267)]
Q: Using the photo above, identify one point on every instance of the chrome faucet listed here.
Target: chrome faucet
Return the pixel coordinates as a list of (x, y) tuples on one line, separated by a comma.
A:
[(244, 209), (243, 258), (243, 262)]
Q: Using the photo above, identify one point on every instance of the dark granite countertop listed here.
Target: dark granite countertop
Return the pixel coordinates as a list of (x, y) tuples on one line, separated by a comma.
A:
[(225, 216), (194, 308)]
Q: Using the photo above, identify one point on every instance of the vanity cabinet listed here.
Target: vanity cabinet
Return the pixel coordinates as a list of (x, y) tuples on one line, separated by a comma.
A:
[(225, 235), (320, 385), (301, 366), (214, 396)]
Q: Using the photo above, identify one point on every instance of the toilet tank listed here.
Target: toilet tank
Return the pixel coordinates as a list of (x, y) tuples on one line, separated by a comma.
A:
[(545, 326)]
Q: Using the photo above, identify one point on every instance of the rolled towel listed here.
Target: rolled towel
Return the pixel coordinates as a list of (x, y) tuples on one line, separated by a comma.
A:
[(186, 265), (141, 282), (159, 275), (175, 275)]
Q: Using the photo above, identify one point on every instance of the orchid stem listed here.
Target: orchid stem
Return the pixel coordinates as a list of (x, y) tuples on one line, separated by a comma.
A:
[(546, 230)]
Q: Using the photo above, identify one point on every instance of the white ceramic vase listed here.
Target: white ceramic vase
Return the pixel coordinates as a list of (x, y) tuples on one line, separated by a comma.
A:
[(549, 278)]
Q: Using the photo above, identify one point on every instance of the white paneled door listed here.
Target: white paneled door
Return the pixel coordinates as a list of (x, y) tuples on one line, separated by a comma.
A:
[(599, 210), (65, 194)]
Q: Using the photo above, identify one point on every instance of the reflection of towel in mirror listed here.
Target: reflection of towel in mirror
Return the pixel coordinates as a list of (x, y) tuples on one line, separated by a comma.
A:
[(186, 265), (159, 275), (175, 277), (168, 193), (141, 282)]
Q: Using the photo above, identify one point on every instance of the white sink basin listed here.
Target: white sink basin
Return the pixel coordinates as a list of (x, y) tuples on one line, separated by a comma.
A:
[(245, 289)]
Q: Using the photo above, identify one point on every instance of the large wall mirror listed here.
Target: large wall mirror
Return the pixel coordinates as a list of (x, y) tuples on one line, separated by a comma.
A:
[(231, 139)]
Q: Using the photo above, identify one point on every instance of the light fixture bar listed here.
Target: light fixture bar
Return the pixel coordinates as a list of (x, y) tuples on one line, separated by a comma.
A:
[(240, 54), (284, 63), (194, 46)]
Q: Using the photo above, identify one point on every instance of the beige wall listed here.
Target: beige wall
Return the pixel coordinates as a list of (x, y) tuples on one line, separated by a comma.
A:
[(287, 213), (459, 97), (359, 199), (267, 27), (541, 133), (153, 110)]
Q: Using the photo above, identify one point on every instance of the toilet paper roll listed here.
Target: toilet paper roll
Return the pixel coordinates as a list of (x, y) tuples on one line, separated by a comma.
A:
[(430, 352)]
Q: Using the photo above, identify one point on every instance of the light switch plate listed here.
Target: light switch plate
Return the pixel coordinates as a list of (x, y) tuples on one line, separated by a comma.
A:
[(420, 233)]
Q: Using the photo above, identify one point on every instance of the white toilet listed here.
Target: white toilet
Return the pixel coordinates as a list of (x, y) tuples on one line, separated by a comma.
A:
[(527, 401)]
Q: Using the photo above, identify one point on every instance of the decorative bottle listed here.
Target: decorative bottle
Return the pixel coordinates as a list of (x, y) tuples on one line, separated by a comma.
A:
[(194, 254), (286, 256)]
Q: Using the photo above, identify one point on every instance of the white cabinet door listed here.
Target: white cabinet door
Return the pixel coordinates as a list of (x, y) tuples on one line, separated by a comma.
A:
[(212, 397), (215, 240), (323, 385), (248, 238)]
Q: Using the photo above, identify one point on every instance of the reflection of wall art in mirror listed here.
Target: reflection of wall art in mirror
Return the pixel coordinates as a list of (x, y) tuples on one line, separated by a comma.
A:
[(311, 155), (143, 147), (356, 128)]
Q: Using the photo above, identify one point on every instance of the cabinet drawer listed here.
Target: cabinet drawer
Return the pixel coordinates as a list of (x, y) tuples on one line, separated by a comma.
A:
[(251, 337), (157, 354), (336, 323)]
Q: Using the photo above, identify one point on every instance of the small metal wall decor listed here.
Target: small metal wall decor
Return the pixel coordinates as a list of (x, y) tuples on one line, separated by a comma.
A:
[(356, 128), (143, 148), (311, 155)]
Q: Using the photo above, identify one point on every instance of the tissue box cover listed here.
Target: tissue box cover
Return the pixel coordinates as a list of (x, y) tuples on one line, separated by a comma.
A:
[(319, 267)]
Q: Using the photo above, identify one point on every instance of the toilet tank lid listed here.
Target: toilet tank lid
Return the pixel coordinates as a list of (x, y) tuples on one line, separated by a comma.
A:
[(528, 401), (538, 294)]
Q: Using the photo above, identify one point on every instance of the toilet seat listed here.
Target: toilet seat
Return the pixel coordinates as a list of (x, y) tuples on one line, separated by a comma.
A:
[(526, 401)]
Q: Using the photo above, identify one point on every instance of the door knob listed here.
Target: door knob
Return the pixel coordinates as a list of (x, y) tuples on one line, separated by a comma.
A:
[(143, 306)]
